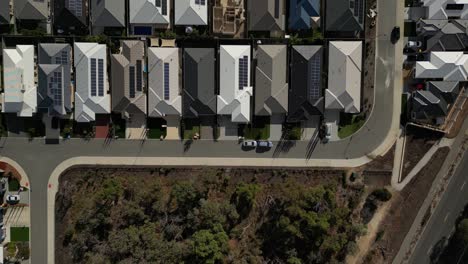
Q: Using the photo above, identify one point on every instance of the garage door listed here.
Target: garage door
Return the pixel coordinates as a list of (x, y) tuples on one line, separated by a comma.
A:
[(142, 31)]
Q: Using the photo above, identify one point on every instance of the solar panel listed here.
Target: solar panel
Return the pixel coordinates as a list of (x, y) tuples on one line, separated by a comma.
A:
[(158, 3), (131, 73), (197, 2), (55, 86), (356, 7), (101, 77), (277, 8), (315, 72), (139, 76), (202, 2), (166, 81), (243, 72), (93, 77), (76, 7), (164, 7), (361, 11)]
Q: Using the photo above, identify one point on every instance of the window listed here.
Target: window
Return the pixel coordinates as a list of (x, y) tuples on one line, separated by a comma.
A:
[(101, 77), (243, 72), (166, 81), (131, 79), (277, 6), (158, 3), (455, 6), (139, 76), (93, 77), (164, 8), (62, 58)]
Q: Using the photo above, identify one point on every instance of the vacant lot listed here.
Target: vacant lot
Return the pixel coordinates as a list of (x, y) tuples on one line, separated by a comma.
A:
[(206, 215)]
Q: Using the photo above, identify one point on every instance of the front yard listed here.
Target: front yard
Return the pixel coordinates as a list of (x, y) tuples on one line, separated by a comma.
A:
[(19, 234), (350, 124), (190, 128), (155, 128), (259, 129)]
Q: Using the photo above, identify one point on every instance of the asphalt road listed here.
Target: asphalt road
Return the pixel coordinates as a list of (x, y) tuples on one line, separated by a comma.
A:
[(38, 160), (442, 222)]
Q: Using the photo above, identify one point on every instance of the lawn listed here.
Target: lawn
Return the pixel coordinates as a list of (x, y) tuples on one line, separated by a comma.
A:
[(259, 129), (19, 233), (13, 185), (190, 128), (292, 131), (349, 124), (155, 129)]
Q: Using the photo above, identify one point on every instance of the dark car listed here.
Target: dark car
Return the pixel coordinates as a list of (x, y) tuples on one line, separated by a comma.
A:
[(395, 35)]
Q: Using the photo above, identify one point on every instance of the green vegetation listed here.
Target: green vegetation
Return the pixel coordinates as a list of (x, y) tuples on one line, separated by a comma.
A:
[(38, 32), (101, 39), (350, 124), (292, 131), (457, 248), (252, 217), (189, 129), (13, 185), (19, 234), (155, 128), (382, 195), (259, 129), (168, 35)]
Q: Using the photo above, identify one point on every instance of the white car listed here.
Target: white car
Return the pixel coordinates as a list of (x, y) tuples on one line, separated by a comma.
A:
[(328, 129), (414, 44), (249, 143), (13, 198), (265, 144)]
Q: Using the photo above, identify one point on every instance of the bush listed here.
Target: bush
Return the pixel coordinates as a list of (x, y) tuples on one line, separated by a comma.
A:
[(382, 195)]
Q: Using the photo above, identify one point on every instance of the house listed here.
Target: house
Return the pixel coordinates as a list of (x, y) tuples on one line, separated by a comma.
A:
[(266, 15), (305, 95), (19, 88), (345, 15), (54, 95), (91, 88), (344, 76), (31, 10), (447, 66), (445, 9), (147, 15), (127, 79), (304, 14), (164, 86), (5, 12), (444, 35), (71, 16), (191, 13), (107, 16), (271, 84), (228, 17), (235, 90), (199, 99)]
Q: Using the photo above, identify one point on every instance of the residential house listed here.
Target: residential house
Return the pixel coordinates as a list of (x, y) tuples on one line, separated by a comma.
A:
[(71, 16), (107, 16), (36, 11), (235, 90), (127, 80), (164, 99), (305, 95), (191, 13), (271, 83), (5, 18), (266, 15), (344, 76), (447, 66), (446, 9), (91, 87), (148, 15), (304, 14), (345, 15), (54, 95), (19, 88), (444, 35), (228, 17), (199, 98)]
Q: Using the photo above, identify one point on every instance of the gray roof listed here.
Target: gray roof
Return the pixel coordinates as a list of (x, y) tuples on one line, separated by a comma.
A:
[(444, 35), (445, 90), (199, 78), (133, 54), (54, 58), (108, 13), (427, 106), (341, 17), (145, 12), (301, 104), (4, 11), (271, 86), (264, 15), (30, 9)]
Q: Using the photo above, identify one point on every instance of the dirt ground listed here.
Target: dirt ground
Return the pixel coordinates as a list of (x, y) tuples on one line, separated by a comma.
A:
[(369, 63), (396, 225)]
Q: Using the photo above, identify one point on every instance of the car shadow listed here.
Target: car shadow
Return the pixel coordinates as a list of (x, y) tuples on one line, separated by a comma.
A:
[(245, 148), (262, 149)]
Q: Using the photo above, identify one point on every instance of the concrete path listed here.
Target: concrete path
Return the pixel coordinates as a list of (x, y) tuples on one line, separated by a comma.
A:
[(309, 128)]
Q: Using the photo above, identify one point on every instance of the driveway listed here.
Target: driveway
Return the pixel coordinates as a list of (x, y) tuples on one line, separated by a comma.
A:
[(173, 127), (136, 127), (227, 129), (15, 126), (276, 127)]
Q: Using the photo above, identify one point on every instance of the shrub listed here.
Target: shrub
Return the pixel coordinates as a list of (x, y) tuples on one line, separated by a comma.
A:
[(382, 195)]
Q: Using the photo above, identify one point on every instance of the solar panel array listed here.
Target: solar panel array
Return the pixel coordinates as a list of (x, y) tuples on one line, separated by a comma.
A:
[(62, 58), (76, 7), (101, 77), (164, 8), (93, 77), (139, 77), (277, 7), (131, 73), (166, 81), (55, 88), (315, 72), (200, 2), (359, 10), (243, 72), (158, 3)]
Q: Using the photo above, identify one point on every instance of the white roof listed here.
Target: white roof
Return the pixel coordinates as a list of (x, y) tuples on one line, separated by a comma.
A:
[(86, 104), (449, 65), (146, 12), (344, 76), (157, 105), (436, 9), (191, 12), (232, 100), (20, 90)]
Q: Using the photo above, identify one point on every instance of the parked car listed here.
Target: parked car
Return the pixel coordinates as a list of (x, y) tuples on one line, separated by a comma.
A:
[(414, 44), (13, 199), (395, 36), (249, 143), (328, 129), (265, 144)]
